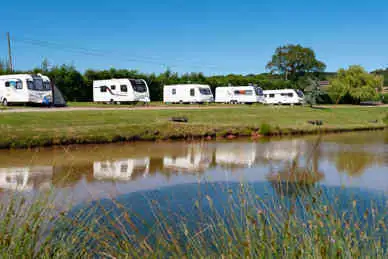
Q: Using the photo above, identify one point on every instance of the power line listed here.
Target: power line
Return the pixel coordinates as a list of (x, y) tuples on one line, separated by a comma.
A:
[(82, 51), (95, 53), (30, 40)]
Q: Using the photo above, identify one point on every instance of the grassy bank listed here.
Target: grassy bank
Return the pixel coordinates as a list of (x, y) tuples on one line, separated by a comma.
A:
[(19, 130)]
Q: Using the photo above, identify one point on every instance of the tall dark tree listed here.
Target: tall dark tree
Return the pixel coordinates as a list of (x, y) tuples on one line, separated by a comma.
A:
[(313, 92), (45, 65), (3, 66), (71, 83), (292, 61)]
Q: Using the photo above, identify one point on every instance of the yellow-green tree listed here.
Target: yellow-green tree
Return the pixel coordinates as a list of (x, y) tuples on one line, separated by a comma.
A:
[(356, 83)]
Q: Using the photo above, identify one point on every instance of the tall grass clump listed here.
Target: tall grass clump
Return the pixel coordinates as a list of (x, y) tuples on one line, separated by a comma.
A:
[(225, 221), (233, 221), (27, 229), (265, 129)]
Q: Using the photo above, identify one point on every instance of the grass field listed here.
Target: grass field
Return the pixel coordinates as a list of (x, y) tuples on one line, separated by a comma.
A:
[(54, 128), (152, 104)]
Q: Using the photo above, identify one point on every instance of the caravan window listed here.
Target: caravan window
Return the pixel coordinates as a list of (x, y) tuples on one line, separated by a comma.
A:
[(290, 95), (243, 92), (47, 86), (113, 87), (38, 83), (174, 91), (19, 85), (30, 85), (104, 166), (259, 91), (16, 84), (205, 91), (123, 88), (138, 85), (123, 168), (271, 95), (103, 89), (192, 92)]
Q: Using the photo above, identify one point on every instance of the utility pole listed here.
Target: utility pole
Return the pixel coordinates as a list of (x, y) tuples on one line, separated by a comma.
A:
[(10, 66)]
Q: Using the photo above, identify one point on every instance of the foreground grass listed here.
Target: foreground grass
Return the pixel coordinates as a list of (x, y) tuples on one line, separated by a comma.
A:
[(300, 225), (56, 128)]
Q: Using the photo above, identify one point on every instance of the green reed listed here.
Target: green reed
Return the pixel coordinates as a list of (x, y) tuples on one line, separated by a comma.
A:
[(246, 227)]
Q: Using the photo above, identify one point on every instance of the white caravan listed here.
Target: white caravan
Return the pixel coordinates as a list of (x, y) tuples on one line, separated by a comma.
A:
[(120, 91), (239, 94), (197, 159), (236, 154), (283, 96), (25, 88), (187, 93), (26, 178), (121, 170)]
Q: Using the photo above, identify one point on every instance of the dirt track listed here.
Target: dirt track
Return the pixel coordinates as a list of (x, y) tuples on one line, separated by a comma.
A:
[(188, 107)]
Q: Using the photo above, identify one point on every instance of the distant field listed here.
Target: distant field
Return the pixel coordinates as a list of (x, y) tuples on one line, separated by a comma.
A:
[(102, 126)]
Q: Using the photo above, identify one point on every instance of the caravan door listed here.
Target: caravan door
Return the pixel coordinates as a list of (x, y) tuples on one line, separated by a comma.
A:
[(14, 91)]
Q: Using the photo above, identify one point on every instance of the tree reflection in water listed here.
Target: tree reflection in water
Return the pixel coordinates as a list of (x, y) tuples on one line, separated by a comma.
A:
[(355, 163), (295, 180)]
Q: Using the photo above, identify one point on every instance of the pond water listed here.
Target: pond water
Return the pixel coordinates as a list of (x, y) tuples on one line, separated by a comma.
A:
[(84, 173), (179, 177)]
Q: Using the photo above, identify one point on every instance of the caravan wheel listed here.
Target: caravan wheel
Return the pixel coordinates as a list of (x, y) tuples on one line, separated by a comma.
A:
[(4, 102)]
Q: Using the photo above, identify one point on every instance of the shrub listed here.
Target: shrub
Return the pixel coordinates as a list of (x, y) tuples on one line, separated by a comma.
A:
[(265, 129), (384, 98)]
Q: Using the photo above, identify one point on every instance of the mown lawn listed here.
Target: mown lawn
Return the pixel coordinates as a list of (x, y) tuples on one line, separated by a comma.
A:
[(36, 129)]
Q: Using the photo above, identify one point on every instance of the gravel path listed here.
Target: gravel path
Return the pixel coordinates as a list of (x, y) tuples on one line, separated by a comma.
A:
[(188, 107)]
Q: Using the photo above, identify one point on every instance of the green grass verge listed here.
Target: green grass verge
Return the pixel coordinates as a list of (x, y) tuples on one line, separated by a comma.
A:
[(30, 129), (140, 104)]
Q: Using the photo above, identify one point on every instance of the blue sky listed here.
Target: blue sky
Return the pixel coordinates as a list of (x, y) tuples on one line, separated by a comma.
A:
[(212, 36)]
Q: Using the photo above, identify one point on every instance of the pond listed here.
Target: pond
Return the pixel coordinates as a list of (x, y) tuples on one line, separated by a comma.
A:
[(195, 181)]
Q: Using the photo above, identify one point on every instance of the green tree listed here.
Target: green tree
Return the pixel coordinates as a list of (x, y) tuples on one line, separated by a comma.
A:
[(355, 83), (3, 66), (45, 65), (71, 83), (313, 91), (292, 61)]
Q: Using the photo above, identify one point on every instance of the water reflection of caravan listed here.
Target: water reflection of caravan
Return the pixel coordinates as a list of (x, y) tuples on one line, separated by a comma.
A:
[(122, 170), (195, 160), (236, 154), (282, 150), (25, 178)]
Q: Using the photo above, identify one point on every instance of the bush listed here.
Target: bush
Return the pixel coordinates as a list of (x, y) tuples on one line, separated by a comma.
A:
[(384, 98), (265, 129)]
